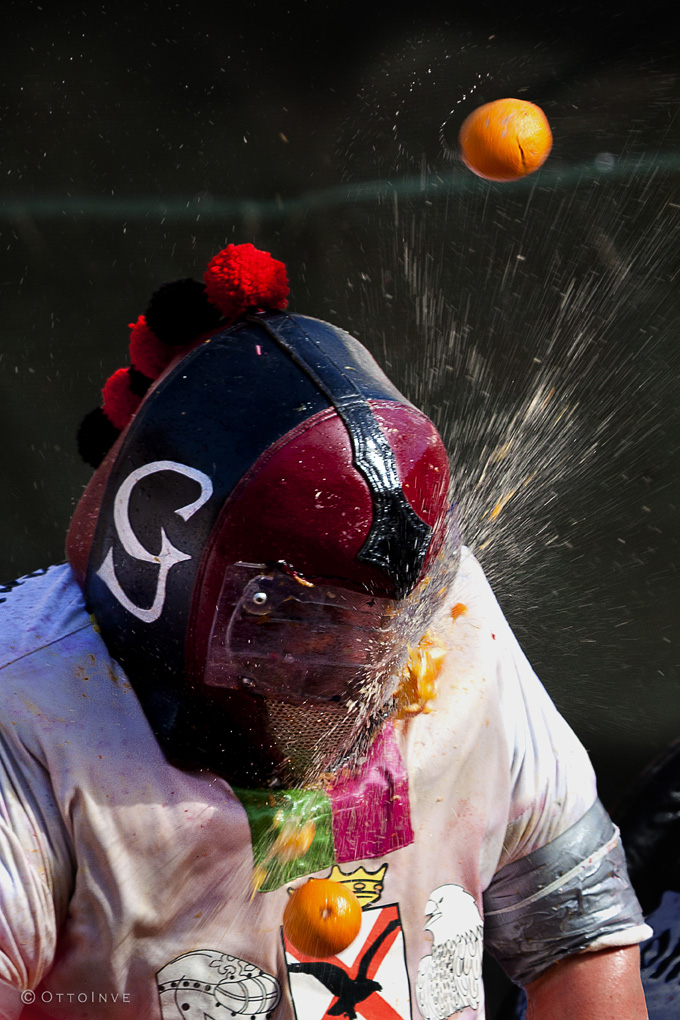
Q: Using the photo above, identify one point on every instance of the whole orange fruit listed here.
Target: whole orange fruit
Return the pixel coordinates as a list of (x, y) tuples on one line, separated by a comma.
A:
[(322, 917), (505, 140)]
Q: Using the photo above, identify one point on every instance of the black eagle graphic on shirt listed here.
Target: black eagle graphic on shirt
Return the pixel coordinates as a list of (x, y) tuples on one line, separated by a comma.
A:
[(348, 990)]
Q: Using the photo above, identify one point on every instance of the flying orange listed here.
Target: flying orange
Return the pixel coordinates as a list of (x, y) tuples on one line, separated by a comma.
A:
[(505, 140), (321, 918)]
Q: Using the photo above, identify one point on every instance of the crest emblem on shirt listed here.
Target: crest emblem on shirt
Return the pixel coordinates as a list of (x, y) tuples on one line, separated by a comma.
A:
[(367, 886), (450, 978), (208, 985), (367, 981)]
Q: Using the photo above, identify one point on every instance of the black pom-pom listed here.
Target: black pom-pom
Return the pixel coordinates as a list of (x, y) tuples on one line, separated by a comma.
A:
[(139, 383), (96, 435), (180, 311)]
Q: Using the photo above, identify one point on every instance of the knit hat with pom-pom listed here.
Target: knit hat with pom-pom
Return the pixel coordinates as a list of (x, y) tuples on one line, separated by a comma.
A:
[(180, 315)]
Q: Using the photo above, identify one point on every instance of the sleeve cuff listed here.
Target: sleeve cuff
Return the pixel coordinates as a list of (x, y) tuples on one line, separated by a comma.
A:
[(621, 939)]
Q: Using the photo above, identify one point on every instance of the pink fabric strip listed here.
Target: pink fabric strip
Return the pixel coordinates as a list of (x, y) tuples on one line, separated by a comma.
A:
[(371, 813)]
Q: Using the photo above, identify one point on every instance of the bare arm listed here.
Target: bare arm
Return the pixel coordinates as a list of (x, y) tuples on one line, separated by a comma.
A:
[(603, 985)]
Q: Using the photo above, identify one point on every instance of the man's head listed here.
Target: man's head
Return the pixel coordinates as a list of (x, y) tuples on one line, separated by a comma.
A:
[(268, 532)]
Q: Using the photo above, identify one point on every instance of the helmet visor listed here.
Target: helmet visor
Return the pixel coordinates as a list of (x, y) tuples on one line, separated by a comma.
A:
[(282, 636), (290, 639)]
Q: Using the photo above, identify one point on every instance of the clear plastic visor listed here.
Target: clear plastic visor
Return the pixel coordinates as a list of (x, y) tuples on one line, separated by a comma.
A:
[(283, 636), (286, 638)]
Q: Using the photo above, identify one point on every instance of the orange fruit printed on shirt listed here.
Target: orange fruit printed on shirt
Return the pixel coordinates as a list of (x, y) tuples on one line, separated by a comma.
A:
[(321, 918), (505, 140)]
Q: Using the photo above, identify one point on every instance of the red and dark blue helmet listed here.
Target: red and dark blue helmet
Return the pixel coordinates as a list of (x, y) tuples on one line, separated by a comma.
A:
[(270, 519)]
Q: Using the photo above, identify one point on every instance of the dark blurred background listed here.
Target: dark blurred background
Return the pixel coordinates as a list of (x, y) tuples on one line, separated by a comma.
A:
[(537, 322)]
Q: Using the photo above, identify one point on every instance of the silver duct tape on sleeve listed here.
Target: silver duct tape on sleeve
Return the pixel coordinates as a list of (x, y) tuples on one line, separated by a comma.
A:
[(561, 899)]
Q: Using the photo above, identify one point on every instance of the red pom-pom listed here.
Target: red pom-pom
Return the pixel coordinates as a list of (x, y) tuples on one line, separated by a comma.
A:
[(241, 277), (148, 354), (120, 403)]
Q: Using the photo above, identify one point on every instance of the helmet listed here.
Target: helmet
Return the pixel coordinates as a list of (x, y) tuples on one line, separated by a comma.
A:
[(272, 530)]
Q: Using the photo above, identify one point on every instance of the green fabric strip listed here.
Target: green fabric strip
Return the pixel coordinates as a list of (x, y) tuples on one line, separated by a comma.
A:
[(273, 812)]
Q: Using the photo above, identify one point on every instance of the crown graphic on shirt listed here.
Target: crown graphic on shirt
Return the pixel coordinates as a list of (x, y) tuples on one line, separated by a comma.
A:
[(366, 885)]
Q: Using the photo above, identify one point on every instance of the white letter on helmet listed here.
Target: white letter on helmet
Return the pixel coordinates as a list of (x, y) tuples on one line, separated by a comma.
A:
[(169, 554)]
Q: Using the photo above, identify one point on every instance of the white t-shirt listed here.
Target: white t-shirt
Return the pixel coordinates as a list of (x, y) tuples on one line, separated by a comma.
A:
[(125, 883)]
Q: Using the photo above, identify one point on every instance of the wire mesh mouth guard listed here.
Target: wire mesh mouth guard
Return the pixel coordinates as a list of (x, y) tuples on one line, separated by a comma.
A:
[(288, 639)]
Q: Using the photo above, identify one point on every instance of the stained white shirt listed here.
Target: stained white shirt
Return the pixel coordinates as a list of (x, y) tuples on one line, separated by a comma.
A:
[(125, 883)]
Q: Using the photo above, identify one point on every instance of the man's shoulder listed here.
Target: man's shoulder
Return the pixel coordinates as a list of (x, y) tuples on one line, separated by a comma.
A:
[(60, 689), (38, 610), (46, 639)]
